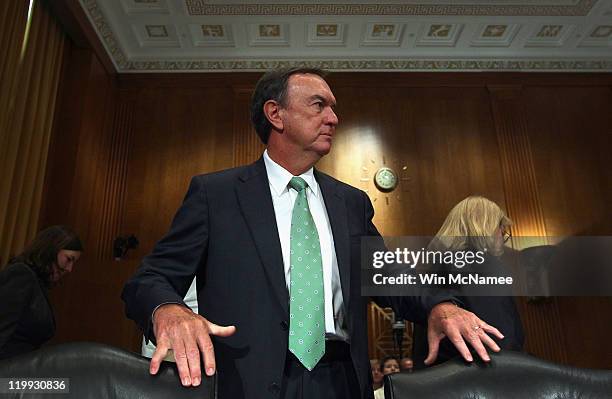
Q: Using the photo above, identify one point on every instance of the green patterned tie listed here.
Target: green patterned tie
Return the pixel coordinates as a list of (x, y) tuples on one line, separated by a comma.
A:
[(306, 323)]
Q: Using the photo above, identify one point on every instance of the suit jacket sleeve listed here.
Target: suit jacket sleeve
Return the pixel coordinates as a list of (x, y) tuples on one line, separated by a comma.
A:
[(413, 308), (166, 274), (17, 284)]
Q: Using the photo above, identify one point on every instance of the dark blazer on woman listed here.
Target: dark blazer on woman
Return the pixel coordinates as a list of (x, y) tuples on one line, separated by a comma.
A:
[(499, 311), (26, 317)]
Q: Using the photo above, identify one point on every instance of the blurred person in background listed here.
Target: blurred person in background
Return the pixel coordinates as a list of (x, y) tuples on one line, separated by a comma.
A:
[(26, 316), (389, 365), (406, 364), (377, 375)]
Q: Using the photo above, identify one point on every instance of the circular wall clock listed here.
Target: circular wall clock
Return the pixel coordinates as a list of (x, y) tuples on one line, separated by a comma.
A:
[(385, 179)]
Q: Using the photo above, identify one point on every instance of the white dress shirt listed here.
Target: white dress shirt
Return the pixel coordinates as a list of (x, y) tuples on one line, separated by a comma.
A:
[(283, 199)]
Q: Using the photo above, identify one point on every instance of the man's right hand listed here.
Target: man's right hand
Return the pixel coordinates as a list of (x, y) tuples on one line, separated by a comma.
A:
[(178, 328)]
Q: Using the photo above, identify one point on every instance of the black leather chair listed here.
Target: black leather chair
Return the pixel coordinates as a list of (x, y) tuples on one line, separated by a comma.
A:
[(100, 371), (509, 375)]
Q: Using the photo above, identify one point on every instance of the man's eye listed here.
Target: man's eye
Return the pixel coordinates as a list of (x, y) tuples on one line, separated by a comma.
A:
[(319, 106)]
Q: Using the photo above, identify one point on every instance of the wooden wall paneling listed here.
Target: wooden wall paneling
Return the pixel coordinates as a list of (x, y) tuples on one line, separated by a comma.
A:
[(460, 80), (116, 176), (370, 80), (203, 81), (441, 136), (542, 323), (89, 300), (77, 184), (570, 129), (176, 133), (64, 142), (247, 145), (108, 282), (455, 136), (571, 134)]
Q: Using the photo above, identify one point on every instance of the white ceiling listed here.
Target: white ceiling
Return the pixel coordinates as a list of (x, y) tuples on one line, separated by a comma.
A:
[(358, 35)]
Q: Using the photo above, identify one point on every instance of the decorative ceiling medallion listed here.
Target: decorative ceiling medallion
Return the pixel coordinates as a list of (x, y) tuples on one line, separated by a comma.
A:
[(156, 31), (325, 34), (212, 35), (445, 35), (213, 31), (549, 35), (382, 34), (549, 31), (383, 31), (327, 30), (496, 35), (599, 36), (268, 34), (204, 7), (494, 31), (156, 35), (269, 30), (439, 31), (602, 32)]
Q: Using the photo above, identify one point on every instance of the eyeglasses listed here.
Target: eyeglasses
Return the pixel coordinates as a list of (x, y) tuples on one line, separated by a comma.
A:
[(506, 234)]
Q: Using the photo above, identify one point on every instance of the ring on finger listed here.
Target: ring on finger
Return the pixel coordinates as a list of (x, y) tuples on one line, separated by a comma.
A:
[(476, 328)]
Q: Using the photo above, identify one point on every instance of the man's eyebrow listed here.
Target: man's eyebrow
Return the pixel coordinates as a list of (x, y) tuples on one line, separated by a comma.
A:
[(325, 100)]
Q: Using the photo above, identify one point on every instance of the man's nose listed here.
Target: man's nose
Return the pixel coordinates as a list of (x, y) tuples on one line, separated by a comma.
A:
[(331, 118)]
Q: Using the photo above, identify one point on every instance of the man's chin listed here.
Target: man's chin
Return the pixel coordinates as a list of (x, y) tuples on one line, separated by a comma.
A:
[(322, 149), (323, 145)]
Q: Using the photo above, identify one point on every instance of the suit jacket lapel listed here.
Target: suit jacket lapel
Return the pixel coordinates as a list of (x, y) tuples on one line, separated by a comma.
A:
[(255, 200), (336, 210)]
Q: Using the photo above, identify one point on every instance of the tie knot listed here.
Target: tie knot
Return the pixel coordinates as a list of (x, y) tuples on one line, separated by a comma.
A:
[(298, 184)]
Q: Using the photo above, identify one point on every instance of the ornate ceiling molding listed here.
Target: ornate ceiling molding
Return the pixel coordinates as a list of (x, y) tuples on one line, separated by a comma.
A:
[(106, 34), (128, 62), (395, 65), (204, 7)]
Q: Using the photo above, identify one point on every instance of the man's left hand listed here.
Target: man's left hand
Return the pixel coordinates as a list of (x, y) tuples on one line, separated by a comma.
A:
[(459, 325)]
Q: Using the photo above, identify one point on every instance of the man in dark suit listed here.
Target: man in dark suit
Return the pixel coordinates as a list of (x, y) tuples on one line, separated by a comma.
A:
[(275, 247)]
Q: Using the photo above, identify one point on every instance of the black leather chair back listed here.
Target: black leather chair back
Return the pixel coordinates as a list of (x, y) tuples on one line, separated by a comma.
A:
[(101, 372), (509, 375)]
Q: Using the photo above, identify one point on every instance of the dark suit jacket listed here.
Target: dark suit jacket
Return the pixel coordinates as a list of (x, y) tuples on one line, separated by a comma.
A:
[(26, 317), (498, 311), (225, 233)]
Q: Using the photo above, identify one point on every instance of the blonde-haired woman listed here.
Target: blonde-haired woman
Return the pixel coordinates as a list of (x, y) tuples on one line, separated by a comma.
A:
[(477, 224), (474, 223)]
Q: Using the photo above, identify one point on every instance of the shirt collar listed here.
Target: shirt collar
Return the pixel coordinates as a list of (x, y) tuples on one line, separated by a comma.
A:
[(279, 177)]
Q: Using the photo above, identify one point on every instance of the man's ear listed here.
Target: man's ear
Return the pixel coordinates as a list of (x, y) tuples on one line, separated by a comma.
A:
[(272, 110)]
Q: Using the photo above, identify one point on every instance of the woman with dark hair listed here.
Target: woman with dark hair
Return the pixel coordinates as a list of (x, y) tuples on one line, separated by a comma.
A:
[(26, 316)]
